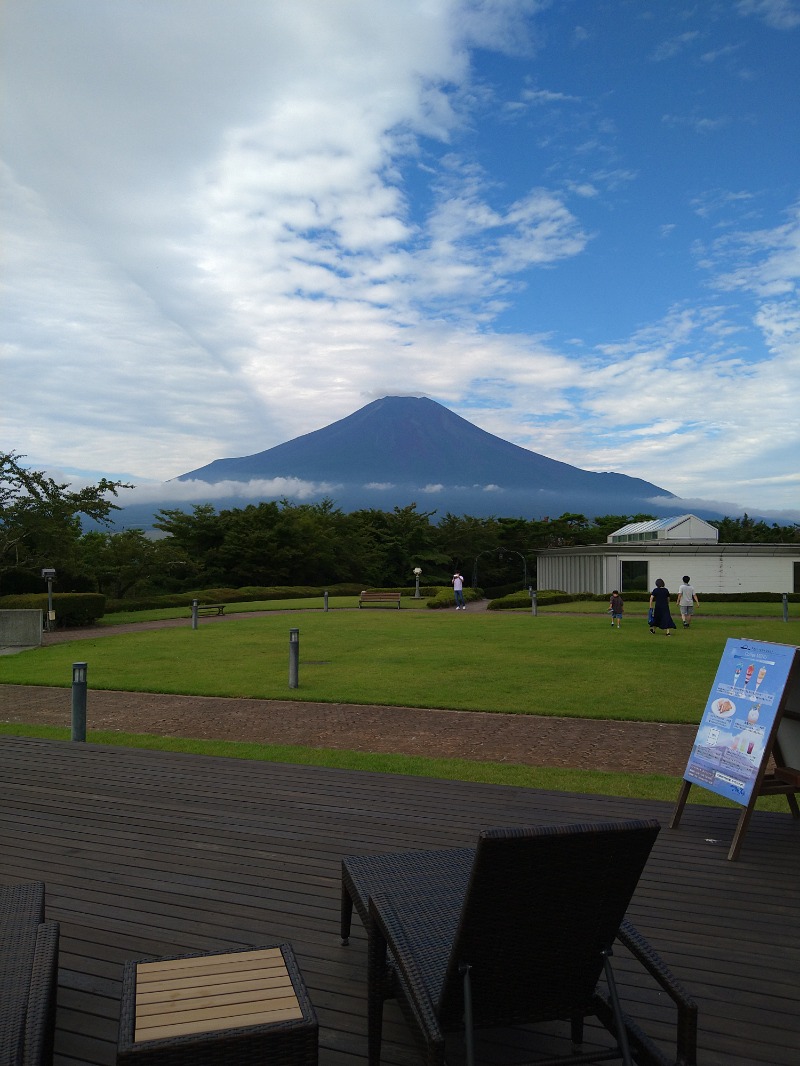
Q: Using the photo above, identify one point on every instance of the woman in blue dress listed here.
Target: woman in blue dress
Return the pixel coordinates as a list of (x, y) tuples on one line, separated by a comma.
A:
[(659, 603)]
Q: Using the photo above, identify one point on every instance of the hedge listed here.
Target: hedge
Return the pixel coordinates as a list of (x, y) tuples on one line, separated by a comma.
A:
[(71, 608)]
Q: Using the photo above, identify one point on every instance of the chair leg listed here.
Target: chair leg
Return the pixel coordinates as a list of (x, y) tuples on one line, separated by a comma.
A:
[(469, 1032), (346, 916), (376, 988), (622, 1034), (576, 1031)]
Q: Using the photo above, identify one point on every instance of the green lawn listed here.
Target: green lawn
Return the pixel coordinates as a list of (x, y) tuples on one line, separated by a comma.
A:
[(551, 664)]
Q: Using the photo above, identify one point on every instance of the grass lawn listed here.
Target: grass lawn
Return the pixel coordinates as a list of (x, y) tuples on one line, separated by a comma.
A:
[(551, 664)]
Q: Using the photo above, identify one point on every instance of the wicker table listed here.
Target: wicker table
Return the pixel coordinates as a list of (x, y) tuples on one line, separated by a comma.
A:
[(243, 1006)]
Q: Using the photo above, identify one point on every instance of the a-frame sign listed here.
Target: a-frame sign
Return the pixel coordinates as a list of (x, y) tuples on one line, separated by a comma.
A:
[(752, 714)]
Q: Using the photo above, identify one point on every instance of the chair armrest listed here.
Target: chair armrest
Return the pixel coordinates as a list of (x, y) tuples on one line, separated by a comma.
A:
[(646, 955), (385, 920)]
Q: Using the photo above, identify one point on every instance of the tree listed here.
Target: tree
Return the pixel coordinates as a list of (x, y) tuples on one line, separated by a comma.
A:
[(40, 519)]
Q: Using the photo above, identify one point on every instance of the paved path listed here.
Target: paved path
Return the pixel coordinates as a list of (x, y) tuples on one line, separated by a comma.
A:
[(631, 747)]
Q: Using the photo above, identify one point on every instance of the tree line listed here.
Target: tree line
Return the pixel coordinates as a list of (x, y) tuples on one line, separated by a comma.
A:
[(277, 542)]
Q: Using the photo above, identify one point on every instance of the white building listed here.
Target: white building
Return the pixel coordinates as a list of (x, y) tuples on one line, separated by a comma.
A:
[(670, 548)]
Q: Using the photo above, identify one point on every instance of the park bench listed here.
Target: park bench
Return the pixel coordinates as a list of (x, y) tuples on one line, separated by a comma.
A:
[(379, 599), (28, 976), (218, 607)]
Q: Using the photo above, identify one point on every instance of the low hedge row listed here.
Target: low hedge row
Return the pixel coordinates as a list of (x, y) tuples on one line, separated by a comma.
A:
[(549, 597), (71, 608)]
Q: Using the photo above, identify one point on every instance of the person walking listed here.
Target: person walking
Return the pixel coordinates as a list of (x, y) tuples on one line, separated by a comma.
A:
[(458, 591), (687, 601), (615, 607), (659, 604)]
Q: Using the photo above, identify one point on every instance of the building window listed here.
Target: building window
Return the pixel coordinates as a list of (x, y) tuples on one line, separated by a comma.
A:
[(633, 577)]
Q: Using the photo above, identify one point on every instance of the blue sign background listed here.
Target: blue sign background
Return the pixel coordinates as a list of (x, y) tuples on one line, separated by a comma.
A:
[(739, 717)]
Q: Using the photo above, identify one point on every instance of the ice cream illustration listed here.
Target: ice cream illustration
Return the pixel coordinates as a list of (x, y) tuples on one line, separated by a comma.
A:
[(748, 674), (762, 673), (752, 714), (736, 676)]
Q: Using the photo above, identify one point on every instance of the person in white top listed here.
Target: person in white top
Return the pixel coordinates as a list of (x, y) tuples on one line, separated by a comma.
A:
[(458, 586), (687, 599)]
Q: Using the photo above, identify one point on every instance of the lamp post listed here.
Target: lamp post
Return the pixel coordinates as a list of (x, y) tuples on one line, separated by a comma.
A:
[(417, 572), (49, 574), (487, 551), (524, 563)]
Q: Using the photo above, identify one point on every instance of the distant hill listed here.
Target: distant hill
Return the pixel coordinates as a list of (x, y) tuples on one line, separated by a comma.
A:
[(403, 449)]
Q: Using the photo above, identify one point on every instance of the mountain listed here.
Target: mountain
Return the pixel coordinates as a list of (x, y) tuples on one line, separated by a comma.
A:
[(402, 449)]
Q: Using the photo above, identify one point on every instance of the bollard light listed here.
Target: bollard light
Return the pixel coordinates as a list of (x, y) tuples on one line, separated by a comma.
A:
[(417, 572), (194, 614), (325, 599), (79, 674), (294, 657)]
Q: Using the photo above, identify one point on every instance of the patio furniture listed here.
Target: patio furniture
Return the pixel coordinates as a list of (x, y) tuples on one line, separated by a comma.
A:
[(244, 1006), (525, 940), (28, 976)]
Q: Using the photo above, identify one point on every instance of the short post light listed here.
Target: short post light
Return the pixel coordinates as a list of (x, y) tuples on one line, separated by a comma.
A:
[(194, 614), (294, 657), (417, 572), (534, 601), (79, 686), (325, 599), (785, 598), (48, 574)]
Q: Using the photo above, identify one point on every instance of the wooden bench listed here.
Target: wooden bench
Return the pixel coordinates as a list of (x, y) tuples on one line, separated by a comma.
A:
[(379, 599), (218, 607), (247, 1006), (28, 976)]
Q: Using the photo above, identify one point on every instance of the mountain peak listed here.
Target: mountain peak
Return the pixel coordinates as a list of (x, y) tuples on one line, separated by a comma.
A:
[(416, 445)]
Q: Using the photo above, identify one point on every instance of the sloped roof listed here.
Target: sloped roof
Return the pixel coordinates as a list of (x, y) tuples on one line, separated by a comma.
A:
[(650, 527)]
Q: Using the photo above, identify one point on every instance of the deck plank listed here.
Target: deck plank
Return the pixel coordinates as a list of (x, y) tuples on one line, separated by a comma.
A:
[(152, 853)]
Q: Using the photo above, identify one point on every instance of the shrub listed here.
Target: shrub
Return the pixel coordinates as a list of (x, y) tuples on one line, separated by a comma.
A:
[(71, 608), (443, 597)]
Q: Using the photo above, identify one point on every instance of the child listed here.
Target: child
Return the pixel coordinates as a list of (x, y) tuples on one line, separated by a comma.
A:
[(616, 608)]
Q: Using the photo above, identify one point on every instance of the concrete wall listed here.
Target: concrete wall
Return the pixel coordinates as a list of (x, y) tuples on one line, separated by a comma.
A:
[(20, 629), (712, 572)]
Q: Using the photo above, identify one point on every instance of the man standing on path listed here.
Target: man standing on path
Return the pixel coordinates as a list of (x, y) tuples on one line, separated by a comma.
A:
[(687, 598), (458, 587)]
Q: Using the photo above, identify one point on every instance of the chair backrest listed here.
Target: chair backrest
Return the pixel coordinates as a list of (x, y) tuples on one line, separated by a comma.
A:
[(541, 905)]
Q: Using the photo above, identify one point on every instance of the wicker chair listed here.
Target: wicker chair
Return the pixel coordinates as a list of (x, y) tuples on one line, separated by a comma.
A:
[(525, 941), (28, 976)]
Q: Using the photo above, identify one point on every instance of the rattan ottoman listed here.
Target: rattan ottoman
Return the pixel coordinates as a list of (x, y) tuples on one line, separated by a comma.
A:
[(244, 1006)]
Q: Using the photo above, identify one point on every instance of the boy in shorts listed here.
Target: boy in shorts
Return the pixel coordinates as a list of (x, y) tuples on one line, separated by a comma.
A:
[(687, 598)]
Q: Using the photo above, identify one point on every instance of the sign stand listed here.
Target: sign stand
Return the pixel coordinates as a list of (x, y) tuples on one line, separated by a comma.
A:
[(752, 715)]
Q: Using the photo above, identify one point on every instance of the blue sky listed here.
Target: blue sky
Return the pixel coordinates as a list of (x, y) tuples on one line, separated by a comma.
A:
[(576, 224)]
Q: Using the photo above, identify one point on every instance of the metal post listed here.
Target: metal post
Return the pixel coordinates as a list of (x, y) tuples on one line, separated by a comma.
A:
[(325, 598), (51, 615), (194, 614), (786, 606), (79, 701), (294, 657), (534, 602)]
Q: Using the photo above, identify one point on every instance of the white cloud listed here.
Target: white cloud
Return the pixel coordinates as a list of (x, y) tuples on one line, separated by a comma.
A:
[(780, 14)]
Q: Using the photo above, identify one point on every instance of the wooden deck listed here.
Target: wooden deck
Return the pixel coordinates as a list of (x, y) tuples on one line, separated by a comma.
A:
[(149, 853)]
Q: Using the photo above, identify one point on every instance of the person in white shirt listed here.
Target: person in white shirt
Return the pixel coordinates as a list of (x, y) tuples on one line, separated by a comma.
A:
[(687, 599), (458, 587)]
